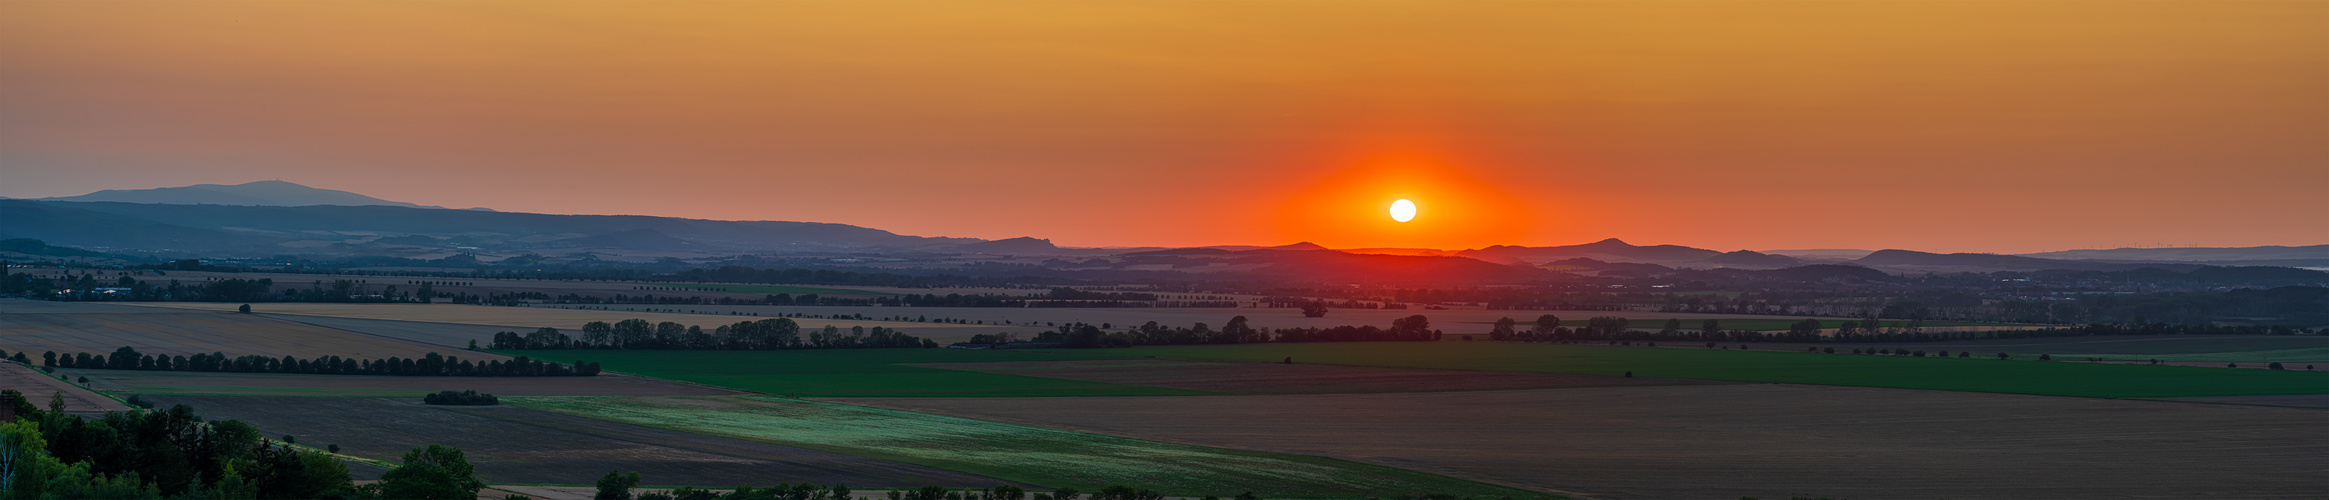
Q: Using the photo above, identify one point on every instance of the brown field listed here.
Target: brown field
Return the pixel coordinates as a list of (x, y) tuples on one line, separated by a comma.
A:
[(540, 316), (454, 335), (1729, 441), (2299, 401), (280, 384), (1244, 378), (511, 445), (38, 388), (197, 333), (2101, 344), (12, 306)]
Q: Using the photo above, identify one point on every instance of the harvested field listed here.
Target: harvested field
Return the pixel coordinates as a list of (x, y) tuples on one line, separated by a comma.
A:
[(455, 335), (1954, 374), (38, 388), (855, 372), (283, 384), (11, 306), (1258, 378), (187, 333), (1032, 455), (519, 446), (526, 317), (1728, 441)]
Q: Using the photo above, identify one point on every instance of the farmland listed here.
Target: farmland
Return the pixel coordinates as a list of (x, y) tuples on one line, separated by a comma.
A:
[(856, 372), (283, 384), (1042, 457), (1265, 378), (1729, 441), (38, 388), (191, 333), (516, 317), (517, 446), (768, 289), (1977, 374)]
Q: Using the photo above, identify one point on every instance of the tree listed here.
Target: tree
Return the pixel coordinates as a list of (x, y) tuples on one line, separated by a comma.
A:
[(1673, 328), (1710, 328), (1314, 309), (1546, 326), (434, 472), (245, 309), (616, 486), (1503, 329)]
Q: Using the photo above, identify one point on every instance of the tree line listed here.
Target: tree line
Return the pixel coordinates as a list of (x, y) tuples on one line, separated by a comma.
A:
[(767, 334), (433, 365)]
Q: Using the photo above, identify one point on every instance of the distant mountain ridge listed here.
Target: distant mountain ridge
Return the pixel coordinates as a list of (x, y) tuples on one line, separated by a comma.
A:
[(260, 193), (2193, 254)]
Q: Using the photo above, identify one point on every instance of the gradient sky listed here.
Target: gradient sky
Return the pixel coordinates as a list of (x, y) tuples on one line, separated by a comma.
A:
[(1943, 126)]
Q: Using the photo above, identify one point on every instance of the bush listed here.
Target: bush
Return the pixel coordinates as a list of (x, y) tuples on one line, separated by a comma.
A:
[(463, 398)]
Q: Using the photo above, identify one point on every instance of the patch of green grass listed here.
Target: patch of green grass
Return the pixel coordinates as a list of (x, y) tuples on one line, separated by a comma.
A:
[(768, 289), (1984, 374), (2317, 354), (854, 372), (1032, 455)]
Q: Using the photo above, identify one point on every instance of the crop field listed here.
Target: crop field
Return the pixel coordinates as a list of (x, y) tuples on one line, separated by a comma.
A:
[(189, 333), (38, 388), (1732, 441), (451, 335), (1022, 319), (284, 384), (1043, 457), (528, 317), (511, 445), (2101, 344), (1759, 323), (1265, 378), (2310, 355), (855, 372), (768, 289), (1952, 374)]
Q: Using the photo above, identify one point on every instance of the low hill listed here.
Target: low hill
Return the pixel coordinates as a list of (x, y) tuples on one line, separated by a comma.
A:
[(261, 193)]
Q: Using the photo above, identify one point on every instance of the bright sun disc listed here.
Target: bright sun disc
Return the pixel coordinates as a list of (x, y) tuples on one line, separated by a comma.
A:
[(1402, 210)]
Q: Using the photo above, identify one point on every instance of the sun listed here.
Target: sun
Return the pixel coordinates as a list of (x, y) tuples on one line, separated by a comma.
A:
[(1402, 210)]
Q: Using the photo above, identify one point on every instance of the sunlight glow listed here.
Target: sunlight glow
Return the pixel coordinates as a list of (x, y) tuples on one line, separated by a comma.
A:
[(1402, 210)]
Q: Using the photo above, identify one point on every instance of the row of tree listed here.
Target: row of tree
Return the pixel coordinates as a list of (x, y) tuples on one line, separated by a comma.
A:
[(433, 365), (461, 398), (767, 334)]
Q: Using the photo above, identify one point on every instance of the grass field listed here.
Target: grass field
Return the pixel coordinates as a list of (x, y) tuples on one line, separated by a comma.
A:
[(1978, 374), (768, 289), (855, 372), (1043, 457), (285, 384)]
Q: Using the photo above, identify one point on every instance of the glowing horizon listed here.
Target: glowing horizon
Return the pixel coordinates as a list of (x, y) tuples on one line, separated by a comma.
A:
[(1940, 126)]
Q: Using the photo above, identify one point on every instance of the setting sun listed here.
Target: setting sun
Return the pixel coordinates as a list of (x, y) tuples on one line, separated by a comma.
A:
[(1402, 210)]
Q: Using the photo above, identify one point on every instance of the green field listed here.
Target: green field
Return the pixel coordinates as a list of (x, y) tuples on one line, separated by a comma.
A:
[(1976, 375), (1763, 324), (855, 372), (1042, 457), (768, 289)]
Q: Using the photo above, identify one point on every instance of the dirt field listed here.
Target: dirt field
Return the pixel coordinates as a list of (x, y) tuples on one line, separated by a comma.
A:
[(39, 388), (1242, 378), (277, 384), (12, 306), (539, 316), (188, 333), (2299, 401), (511, 445), (453, 335), (1728, 441)]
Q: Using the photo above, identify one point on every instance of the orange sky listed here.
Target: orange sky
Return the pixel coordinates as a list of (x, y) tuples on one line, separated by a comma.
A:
[(1946, 126)]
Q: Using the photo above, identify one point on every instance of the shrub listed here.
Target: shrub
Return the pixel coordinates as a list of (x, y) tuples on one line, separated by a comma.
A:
[(463, 398)]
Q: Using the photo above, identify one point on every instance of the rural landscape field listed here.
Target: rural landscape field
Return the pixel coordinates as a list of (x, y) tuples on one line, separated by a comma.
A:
[(1160, 249)]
